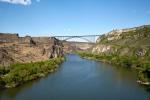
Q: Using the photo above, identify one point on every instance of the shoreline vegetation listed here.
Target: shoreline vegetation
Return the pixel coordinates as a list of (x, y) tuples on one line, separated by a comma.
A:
[(19, 73), (138, 64)]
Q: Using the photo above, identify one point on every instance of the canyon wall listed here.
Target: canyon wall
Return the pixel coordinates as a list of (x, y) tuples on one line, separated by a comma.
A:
[(125, 42), (14, 49), (70, 47)]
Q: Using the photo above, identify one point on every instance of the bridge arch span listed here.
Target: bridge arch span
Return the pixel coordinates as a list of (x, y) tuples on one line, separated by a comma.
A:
[(87, 38), (79, 38)]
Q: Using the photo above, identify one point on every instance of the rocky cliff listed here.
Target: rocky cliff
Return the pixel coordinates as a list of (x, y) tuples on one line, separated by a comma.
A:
[(15, 49), (129, 42), (126, 48), (70, 47)]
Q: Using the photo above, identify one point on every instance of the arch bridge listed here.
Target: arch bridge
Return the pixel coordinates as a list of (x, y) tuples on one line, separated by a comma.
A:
[(87, 38)]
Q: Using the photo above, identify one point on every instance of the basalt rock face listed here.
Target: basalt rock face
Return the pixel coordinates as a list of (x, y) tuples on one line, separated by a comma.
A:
[(15, 49), (6, 57), (125, 42), (56, 50), (127, 48), (71, 47)]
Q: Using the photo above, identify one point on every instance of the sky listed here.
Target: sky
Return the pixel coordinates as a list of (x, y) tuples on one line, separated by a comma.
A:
[(71, 17)]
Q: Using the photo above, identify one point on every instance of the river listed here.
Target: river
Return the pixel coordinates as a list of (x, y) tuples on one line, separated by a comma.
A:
[(81, 79)]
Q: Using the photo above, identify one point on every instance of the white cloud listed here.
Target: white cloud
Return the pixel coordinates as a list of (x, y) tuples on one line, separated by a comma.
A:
[(22, 2)]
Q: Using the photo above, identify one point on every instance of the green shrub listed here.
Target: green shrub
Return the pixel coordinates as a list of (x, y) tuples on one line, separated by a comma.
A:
[(22, 72), (142, 64)]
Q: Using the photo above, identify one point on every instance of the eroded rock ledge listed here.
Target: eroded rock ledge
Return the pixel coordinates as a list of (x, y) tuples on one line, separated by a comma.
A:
[(15, 49)]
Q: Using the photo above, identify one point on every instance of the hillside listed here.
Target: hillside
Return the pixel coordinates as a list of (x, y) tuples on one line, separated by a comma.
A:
[(136, 40), (127, 48), (27, 58)]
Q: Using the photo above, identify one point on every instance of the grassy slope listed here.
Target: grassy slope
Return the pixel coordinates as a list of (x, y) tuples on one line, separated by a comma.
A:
[(132, 42)]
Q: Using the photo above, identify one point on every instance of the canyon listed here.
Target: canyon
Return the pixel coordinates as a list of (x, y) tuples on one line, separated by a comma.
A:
[(124, 47)]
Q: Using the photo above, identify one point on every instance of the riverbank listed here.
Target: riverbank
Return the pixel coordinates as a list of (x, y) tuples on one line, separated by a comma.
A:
[(20, 73), (81, 79), (124, 61)]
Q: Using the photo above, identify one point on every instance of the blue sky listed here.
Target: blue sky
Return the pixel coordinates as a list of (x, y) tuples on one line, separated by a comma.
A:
[(71, 17)]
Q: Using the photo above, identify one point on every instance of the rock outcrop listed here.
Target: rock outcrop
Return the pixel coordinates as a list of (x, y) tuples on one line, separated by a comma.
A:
[(15, 49), (125, 33), (70, 47), (126, 48), (128, 42)]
